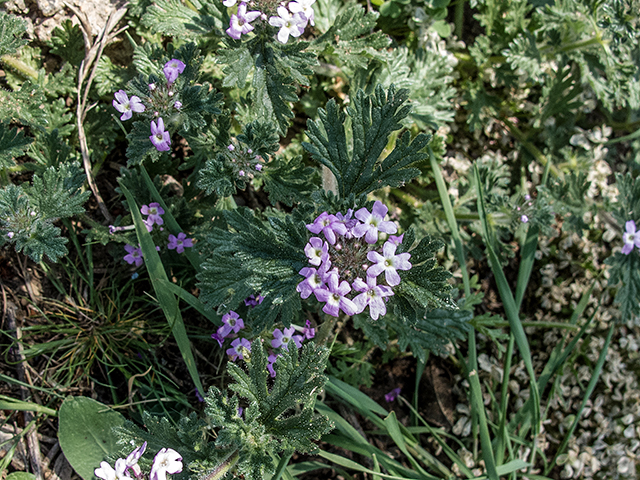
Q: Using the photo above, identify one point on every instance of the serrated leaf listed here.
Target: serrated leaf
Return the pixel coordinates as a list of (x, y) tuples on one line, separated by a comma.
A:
[(67, 41), (177, 19), (373, 119), (12, 29), (13, 143)]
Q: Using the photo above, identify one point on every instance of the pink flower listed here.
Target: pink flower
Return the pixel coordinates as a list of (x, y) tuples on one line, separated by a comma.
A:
[(317, 251), (335, 296), (154, 210), (372, 295), (240, 23)]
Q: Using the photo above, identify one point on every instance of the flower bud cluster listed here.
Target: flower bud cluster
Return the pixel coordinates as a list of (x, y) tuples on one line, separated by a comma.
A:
[(244, 163), (166, 461), (349, 262), (163, 100), (291, 20)]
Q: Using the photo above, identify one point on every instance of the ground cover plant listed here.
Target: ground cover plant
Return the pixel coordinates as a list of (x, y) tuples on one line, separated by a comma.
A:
[(320, 238)]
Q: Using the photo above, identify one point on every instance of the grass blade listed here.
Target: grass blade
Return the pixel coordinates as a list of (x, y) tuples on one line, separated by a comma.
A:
[(167, 300)]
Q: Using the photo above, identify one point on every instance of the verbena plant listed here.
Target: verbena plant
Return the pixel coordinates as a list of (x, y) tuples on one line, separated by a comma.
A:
[(326, 234)]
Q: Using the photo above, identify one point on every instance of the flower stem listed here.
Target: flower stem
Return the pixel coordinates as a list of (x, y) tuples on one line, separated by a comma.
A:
[(223, 467)]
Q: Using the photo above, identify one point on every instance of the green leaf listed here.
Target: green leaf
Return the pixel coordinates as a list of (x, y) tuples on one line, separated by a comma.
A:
[(277, 419), (13, 143), (68, 42), (86, 433), (353, 39), (177, 19), (256, 256), (289, 181), (21, 476), (57, 193), (12, 29), (359, 168), (167, 300)]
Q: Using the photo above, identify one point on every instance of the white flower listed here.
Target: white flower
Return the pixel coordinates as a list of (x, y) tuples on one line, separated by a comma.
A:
[(106, 472), (303, 7), (289, 24), (165, 461)]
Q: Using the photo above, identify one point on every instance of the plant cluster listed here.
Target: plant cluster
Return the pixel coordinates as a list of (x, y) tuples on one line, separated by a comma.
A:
[(358, 171)]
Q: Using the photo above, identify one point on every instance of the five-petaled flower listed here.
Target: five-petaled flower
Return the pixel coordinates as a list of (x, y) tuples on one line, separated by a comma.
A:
[(240, 22), (172, 69), (630, 237), (283, 339), (316, 251), (335, 297), (373, 222), (289, 24), (154, 210), (134, 255), (165, 461), (159, 137), (127, 106), (239, 348), (372, 295), (180, 242), (388, 263), (303, 7)]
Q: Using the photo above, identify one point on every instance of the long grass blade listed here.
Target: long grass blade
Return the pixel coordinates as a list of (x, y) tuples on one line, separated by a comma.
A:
[(167, 300)]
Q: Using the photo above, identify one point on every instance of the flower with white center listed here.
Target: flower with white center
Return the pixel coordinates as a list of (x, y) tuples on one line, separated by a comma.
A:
[(388, 263), (303, 7), (335, 296), (283, 339), (316, 251), (631, 237), (373, 222), (289, 24), (239, 347), (125, 106), (166, 461), (372, 295), (240, 23)]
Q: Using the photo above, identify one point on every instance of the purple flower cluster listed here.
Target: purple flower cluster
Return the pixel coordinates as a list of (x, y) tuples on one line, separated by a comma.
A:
[(291, 20), (630, 237), (162, 100), (349, 267), (241, 159)]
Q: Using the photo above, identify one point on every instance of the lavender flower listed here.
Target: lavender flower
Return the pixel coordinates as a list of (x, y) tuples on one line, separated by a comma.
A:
[(335, 296), (373, 223), (329, 225), (283, 339), (218, 337), (134, 255), (316, 251), (229, 3), (304, 8), (10, 235), (388, 263), (233, 322), (372, 295), (524, 219), (238, 347), (165, 461), (177, 105), (172, 69), (308, 331), (160, 139), (271, 359), (154, 210), (125, 106), (289, 24), (392, 395), (180, 242), (240, 23), (630, 237)]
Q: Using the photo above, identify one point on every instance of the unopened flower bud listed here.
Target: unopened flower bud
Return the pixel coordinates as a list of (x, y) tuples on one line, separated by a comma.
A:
[(259, 167), (171, 94), (10, 234), (152, 86), (527, 197), (178, 105), (241, 173), (231, 147), (524, 219)]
